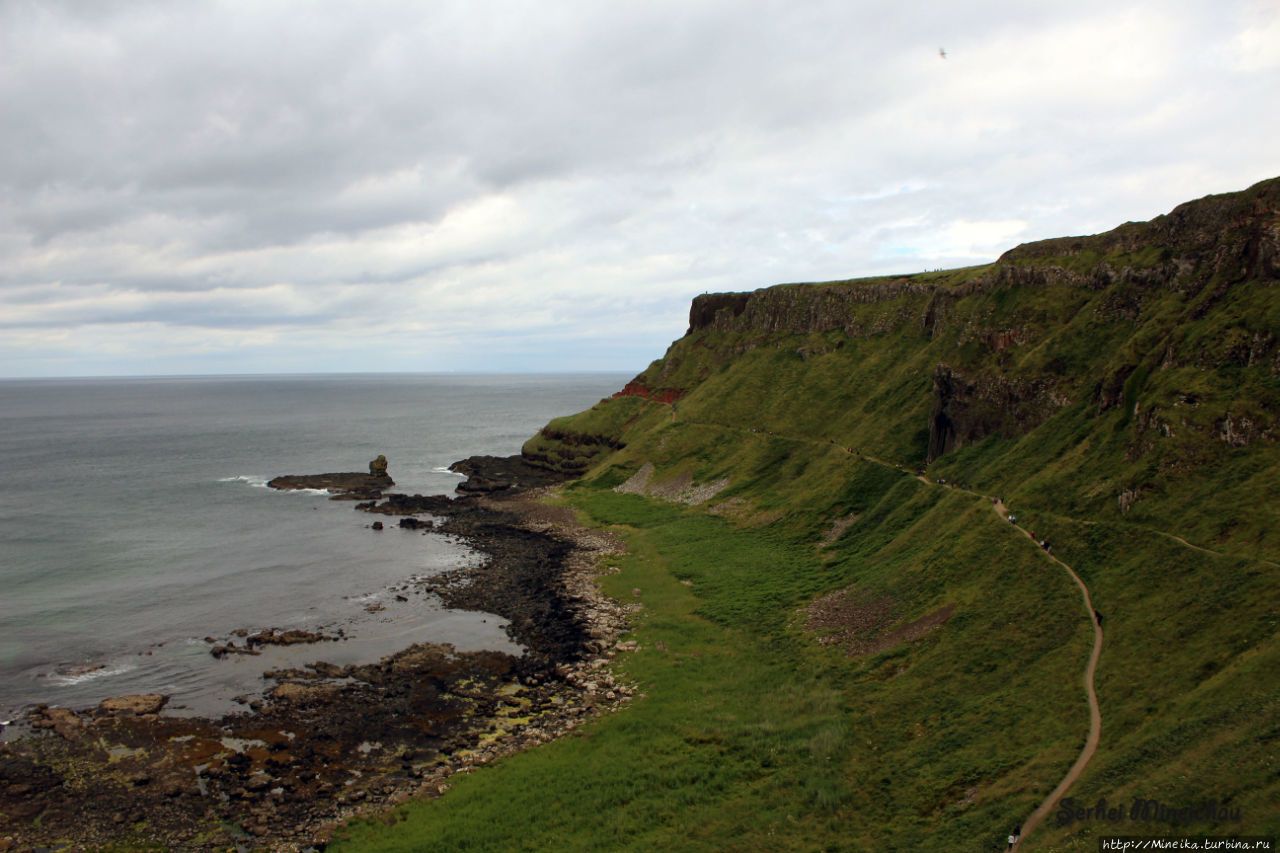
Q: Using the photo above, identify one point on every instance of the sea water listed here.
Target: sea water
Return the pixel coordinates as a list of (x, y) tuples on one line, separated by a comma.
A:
[(135, 522)]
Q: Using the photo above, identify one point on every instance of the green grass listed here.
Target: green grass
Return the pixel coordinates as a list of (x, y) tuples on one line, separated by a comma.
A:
[(570, 444), (750, 736), (753, 736)]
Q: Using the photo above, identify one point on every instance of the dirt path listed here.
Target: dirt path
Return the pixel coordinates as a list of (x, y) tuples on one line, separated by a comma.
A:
[(1095, 712), (1204, 550)]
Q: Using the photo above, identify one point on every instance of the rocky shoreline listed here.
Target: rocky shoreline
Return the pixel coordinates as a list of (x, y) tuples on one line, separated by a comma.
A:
[(329, 743)]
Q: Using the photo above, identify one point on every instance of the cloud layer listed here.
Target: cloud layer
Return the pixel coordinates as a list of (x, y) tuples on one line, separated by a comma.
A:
[(281, 186)]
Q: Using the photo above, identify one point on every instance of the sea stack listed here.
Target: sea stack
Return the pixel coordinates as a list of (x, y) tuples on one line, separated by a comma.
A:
[(350, 485)]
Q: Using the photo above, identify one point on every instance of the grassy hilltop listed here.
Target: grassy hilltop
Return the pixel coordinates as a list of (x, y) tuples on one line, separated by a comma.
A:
[(837, 653)]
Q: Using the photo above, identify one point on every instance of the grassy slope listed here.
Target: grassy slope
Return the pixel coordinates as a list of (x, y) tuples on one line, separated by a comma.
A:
[(753, 736)]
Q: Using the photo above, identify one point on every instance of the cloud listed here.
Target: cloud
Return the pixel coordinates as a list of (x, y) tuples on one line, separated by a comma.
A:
[(216, 184)]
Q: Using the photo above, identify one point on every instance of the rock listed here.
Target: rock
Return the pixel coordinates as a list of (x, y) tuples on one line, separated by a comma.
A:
[(293, 637), (364, 485), (231, 649), (144, 703), (378, 467), (303, 693), (489, 474), (83, 670), (398, 504), (356, 495), (326, 669), (377, 525), (968, 408), (64, 721)]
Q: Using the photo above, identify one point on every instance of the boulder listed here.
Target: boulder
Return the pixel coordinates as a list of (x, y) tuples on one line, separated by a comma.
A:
[(144, 703)]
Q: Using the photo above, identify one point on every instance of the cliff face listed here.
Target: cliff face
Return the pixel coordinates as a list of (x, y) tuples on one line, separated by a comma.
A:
[(1129, 363), (965, 411), (1213, 242), (1193, 256), (799, 309)]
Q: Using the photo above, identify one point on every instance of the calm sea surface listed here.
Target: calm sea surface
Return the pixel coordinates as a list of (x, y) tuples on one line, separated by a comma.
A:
[(135, 521)]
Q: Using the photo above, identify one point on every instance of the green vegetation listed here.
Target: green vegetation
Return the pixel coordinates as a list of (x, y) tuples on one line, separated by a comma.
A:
[(570, 444), (1120, 392), (751, 736)]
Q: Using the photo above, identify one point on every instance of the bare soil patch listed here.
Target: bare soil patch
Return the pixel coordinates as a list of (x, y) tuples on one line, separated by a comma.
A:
[(864, 625), (838, 527), (679, 489)]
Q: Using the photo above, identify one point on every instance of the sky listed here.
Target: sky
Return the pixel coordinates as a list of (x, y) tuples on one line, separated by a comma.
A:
[(288, 187)]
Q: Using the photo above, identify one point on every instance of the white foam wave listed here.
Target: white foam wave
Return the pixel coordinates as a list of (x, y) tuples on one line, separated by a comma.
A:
[(256, 482), (261, 483), (82, 674), (440, 469)]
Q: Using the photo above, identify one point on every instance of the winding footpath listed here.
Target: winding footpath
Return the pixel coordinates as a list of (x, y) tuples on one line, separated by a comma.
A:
[(1090, 670), (1095, 712)]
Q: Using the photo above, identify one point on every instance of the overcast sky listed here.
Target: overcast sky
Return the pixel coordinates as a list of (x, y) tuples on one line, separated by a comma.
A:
[(255, 187)]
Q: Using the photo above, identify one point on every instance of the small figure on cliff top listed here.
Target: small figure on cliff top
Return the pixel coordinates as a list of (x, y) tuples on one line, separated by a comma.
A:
[(378, 467)]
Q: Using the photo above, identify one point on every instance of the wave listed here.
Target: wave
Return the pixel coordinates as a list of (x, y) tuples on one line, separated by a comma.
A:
[(440, 469), (256, 482), (261, 483), (69, 675)]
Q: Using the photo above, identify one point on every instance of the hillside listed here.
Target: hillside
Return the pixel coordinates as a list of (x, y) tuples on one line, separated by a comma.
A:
[(844, 646)]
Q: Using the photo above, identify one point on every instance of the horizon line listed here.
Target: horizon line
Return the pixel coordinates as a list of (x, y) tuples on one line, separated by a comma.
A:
[(319, 374)]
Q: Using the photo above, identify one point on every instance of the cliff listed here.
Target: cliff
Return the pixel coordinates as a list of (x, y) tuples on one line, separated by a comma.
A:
[(1120, 391), (1200, 248), (1170, 323)]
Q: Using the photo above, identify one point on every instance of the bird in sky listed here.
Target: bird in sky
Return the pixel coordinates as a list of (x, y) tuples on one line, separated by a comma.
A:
[(942, 52)]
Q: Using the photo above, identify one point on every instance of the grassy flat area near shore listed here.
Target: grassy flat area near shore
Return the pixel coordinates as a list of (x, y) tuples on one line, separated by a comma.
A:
[(750, 735)]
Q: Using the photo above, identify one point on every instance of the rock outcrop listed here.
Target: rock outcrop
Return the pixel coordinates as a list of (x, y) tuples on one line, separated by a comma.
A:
[(492, 474), (968, 409), (345, 483), (1215, 240)]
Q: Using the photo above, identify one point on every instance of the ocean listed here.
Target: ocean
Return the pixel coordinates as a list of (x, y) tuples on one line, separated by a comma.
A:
[(135, 522)]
